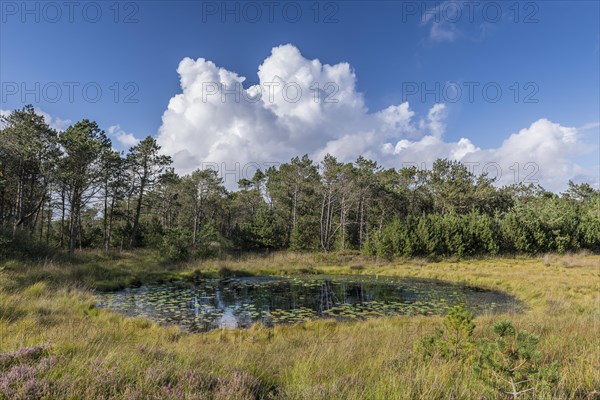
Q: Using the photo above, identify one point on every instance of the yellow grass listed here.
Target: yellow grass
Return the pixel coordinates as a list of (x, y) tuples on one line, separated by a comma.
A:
[(95, 353)]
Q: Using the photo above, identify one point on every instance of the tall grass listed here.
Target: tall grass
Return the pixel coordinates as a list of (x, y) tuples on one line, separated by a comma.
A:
[(55, 344)]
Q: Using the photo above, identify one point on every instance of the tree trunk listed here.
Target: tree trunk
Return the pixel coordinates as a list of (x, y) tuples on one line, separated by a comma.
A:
[(110, 221), (105, 219), (41, 221), (294, 204), (138, 212), (79, 228), (62, 219), (73, 221), (323, 233), (49, 222), (18, 199)]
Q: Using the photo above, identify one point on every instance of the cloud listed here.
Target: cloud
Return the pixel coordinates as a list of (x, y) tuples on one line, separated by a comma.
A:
[(435, 120), (590, 126), (297, 107), (443, 32), (442, 20), (54, 122), (301, 106), (125, 139), (540, 154), (452, 20)]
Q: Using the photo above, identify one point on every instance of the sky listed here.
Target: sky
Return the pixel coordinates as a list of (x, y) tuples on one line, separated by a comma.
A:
[(510, 88)]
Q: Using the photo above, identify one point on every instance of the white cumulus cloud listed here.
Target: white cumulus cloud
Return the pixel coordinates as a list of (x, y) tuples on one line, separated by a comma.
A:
[(125, 139), (302, 106), (298, 106), (542, 153)]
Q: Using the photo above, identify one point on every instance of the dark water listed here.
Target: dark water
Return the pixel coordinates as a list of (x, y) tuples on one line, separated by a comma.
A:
[(240, 302)]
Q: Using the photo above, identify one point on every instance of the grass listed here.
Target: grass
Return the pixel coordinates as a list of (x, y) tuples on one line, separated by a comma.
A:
[(55, 344)]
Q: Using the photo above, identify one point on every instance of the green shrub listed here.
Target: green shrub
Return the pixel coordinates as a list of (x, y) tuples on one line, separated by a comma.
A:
[(174, 244), (454, 340), (22, 245), (511, 363)]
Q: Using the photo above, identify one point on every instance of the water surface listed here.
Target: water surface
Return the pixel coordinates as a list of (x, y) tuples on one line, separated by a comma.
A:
[(240, 302)]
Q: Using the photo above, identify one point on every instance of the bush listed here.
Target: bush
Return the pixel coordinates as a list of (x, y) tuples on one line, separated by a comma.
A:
[(211, 242), (174, 244), (22, 245), (511, 363), (454, 341)]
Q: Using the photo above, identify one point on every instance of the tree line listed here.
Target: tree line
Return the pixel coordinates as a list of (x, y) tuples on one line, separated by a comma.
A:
[(71, 190)]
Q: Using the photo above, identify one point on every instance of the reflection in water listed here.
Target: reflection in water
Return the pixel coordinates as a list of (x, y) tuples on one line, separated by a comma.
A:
[(328, 299), (240, 302)]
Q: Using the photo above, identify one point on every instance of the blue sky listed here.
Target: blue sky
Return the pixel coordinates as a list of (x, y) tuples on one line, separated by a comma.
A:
[(550, 49)]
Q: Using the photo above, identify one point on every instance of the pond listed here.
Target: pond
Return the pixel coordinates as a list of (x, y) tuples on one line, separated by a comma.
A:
[(240, 302)]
